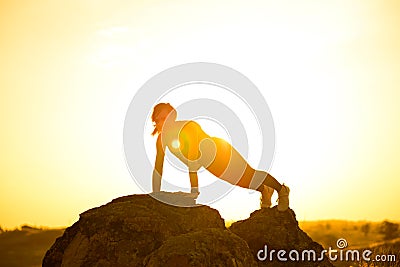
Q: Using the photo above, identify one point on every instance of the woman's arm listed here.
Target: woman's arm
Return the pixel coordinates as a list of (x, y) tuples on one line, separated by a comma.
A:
[(193, 156), (194, 182), (158, 167)]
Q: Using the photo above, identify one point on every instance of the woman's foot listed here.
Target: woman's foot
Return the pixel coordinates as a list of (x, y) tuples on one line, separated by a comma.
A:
[(283, 198), (266, 195)]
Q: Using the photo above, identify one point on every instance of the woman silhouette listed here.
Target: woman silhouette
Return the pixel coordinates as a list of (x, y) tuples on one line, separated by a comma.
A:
[(195, 148)]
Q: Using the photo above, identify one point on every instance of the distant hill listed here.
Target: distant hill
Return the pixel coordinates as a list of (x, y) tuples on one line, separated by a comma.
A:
[(357, 233), (26, 246)]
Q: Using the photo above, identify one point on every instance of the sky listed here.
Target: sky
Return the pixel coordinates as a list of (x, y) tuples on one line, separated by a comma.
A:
[(329, 71)]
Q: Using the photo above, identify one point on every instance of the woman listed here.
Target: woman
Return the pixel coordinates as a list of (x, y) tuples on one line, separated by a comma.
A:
[(195, 148)]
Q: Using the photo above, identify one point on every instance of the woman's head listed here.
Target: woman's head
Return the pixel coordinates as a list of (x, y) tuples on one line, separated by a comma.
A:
[(161, 113)]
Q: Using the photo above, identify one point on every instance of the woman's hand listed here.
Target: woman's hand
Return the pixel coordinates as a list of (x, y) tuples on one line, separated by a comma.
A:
[(158, 166), (194, 193)]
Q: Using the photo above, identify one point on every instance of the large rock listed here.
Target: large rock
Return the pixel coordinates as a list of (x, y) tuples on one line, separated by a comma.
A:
[(270, 229), (125, 231), (209, 247)]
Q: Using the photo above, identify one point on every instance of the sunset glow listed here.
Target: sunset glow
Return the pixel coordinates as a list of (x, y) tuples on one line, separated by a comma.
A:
[(330, 73)]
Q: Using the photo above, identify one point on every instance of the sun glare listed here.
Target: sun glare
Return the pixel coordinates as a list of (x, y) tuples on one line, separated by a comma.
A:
[(328, 71)]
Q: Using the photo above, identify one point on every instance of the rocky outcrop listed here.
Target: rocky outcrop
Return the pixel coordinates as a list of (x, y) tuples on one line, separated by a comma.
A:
[(271, 230), (139, 230), (209, 247), (125, 231)]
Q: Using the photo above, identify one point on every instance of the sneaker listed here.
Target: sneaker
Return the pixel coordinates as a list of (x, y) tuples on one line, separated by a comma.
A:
[(266, 195), (283, 200)]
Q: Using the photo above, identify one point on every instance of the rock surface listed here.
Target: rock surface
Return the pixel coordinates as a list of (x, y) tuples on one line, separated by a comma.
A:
[(138, 230), (209, 247), (125, 231), (278, 231)]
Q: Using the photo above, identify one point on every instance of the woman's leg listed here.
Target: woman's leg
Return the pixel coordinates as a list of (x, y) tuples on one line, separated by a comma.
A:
[(268, 180), (268, 184), (265, 184), (229, 165)]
